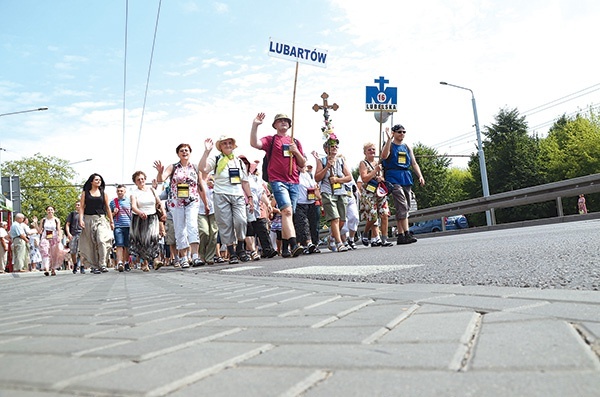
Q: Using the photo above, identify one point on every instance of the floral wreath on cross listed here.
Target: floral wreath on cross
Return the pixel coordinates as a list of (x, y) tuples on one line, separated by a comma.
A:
[(328, 135)]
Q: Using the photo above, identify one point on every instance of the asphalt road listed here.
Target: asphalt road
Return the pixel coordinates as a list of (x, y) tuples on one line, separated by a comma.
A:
[(565, 255)]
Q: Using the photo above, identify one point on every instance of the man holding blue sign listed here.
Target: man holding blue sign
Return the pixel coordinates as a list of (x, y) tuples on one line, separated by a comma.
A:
[(281, 147), (398, 158)]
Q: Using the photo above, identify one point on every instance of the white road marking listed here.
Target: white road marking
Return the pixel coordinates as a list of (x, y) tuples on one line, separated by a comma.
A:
[(346, 270)]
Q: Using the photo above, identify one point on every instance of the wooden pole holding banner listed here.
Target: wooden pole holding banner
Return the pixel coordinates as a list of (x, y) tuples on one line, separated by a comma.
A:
[(297, 53), (293, 116)]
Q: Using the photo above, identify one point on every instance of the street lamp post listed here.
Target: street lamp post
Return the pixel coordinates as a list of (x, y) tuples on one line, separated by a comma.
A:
[(1, 149), (482, 167)]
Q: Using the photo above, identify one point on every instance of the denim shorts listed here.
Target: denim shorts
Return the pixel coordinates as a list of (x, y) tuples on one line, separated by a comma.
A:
[(122, 236), (285, 194)]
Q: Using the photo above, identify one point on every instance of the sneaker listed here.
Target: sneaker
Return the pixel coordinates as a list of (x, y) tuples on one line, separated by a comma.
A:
[(127, 267), (82, 269), (103, 269), (197, 262), (410, 238), (365, 241), (286, 254), (233, 260), (255, 256), (46, 273), (385, 243), (96, 271), (120, 267), (376, 243), (342, 248), (297, 251), (218, 259), (272, 254), (74, 269), (184, 263), (402, 240), (53, 272), (311, 248)]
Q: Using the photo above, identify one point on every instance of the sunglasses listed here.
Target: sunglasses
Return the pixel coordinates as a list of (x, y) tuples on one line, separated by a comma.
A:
[(400, 132)]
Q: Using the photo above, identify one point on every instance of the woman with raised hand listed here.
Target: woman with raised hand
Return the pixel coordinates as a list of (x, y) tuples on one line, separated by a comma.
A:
[(145, 223), (231, 194), (184, 195), (95, 219)]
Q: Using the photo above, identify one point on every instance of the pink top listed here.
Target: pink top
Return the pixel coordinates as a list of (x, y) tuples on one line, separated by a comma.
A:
[(279, 166)]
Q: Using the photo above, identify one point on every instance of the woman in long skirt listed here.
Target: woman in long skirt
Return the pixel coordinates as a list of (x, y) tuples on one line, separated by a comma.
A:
[(95, 219), (144, 233)]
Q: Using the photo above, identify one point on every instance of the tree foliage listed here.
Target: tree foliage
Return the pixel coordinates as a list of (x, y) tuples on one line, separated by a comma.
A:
[(440, 188), (45, 180), (512, 163)]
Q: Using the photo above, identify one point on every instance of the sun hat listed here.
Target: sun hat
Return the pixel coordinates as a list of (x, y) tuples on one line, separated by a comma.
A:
[(281, 116), (224, 138)]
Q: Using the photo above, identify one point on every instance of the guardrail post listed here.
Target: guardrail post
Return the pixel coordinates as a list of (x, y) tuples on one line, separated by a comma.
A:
[(559, 207)]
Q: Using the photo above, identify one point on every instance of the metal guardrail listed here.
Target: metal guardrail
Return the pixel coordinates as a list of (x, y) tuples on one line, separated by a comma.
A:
[(536, 194), (530, 195)]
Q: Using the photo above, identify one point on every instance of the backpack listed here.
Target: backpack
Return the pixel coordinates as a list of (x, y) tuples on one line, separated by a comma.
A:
[(265, 162)]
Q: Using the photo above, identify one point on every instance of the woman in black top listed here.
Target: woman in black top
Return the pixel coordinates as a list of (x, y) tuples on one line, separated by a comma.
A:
[(95, 219)]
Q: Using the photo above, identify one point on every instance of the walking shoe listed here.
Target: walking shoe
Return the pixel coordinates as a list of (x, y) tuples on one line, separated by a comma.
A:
[(385, 243), (254, 255), (53, 272), (402, 240), (82, 269), (120, 267), (272, 254), (96, 271), (365, 241), (376, 243), (410, 238), (342, 248), (218, 259), (244, 257), (233, 260), (46, 273), (197, 262), (297, 251), (183, 262), (127, 267), (103, 269), (74, 269), (311, 248), (351, 244), (286, 253), (331, 245)]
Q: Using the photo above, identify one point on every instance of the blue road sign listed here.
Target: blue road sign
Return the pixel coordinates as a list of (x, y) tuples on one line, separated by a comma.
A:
[(381, 98)]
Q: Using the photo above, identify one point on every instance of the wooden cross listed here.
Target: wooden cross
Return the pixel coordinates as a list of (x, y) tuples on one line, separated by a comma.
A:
[(325, 106)]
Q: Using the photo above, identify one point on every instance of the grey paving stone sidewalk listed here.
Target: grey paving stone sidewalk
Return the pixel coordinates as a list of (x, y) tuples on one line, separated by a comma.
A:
[(191, 333)]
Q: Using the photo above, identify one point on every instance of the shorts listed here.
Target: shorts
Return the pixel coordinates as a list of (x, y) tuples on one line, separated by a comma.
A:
[(121, 236), (74, 244), (334, 206), (286, 194)]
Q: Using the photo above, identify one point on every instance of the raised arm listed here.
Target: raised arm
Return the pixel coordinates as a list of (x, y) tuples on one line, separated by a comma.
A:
[(254, 141)]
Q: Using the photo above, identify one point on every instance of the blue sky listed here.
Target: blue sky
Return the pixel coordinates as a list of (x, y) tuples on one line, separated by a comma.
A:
[(211, 72)]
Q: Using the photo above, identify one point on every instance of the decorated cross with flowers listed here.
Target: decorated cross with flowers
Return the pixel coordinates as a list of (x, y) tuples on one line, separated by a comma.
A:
[(327, 129)]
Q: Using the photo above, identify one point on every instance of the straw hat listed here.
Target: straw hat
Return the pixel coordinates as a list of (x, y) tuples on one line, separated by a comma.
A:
[(224, 138)]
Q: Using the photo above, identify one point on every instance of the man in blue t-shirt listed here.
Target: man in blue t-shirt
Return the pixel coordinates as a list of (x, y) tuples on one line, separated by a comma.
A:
[(398, 158), (121, 209)]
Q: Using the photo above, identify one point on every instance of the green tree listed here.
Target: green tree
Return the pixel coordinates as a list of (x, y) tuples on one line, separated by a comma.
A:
[(572, 149), (439, 187), (512, 163), (45, 180)]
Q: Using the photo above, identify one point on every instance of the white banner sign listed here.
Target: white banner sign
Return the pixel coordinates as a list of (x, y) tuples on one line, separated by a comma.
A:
[(294, 52)]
